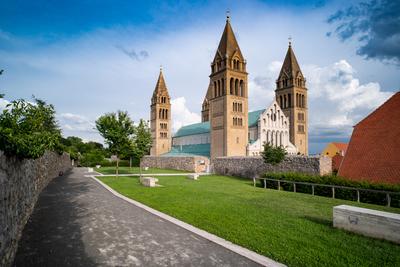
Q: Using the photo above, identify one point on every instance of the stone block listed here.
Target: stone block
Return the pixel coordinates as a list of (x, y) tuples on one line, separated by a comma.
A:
[(149, 181), (193, 176), (368, 222)]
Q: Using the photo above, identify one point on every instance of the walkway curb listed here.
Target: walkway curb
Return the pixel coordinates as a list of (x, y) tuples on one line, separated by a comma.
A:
[(260, 259)]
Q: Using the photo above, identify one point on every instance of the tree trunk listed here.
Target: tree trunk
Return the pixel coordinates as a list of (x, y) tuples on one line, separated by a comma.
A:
[(116, 170), (130, 162)]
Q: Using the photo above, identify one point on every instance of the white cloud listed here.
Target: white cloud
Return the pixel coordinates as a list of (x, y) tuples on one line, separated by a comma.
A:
[(3, 103), (181, 115), (75, 122), (336, 97)]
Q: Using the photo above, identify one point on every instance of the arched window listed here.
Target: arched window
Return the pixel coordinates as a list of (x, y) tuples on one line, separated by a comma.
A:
[(166, 114), (241, 88), (280, 101), (159, 114), (215, 89), (223, 86), (303, 101), (236, 87), (231, 86), (284, 101), (289, 100), (219, 88)]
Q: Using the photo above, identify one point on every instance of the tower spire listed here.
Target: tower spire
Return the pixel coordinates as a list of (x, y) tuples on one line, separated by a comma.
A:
[(228, 17)]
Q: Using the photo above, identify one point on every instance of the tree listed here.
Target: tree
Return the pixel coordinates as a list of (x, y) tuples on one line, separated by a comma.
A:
[(28, 129), (273, 155), (117, 129), (142, 140)]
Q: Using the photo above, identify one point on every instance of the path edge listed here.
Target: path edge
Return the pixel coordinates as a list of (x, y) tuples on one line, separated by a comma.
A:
[(260, 259)]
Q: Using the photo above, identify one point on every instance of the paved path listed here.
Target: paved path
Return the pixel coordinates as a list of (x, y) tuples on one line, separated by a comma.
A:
[(77, 222)]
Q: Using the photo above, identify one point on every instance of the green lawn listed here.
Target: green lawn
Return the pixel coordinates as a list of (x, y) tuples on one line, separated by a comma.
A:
[(292, 228), (135, 170)]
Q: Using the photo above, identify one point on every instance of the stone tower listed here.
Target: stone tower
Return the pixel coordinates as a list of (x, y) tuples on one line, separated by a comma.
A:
[(291, 94), (160, 118), (205, 107), (228, 101)]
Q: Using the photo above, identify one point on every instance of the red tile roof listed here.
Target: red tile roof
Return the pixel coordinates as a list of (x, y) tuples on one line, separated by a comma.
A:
[(373, 153), (341, 146)]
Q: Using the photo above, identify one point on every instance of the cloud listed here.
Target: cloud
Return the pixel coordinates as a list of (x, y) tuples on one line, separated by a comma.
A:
[(3, 103), (142, 55), (377, 26), (338, 96), (262, 87), (181, 115), (75, 122)]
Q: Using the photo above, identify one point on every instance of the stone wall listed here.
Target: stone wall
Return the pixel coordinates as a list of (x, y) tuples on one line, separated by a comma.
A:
[(250, 167), (184, 163), (21, 181)]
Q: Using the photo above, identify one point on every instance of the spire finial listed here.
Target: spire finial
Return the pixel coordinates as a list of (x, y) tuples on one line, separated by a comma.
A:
[(228, 15), (290, 40), (160, 68)]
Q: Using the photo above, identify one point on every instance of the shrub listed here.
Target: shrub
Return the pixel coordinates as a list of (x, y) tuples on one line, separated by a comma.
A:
[(28, 129), (273, 155), (368, 197)]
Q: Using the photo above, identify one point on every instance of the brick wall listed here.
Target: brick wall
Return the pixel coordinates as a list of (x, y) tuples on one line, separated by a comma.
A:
[(21, 181)]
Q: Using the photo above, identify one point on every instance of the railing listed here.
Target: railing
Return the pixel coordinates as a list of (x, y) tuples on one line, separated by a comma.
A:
[(388, 193)]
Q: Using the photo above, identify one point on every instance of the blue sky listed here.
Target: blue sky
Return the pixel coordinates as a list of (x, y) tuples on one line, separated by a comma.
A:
[(92, 57)]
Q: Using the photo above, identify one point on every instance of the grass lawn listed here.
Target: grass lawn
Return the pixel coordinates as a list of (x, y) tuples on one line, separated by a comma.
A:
[(292, 228), (133, 170)]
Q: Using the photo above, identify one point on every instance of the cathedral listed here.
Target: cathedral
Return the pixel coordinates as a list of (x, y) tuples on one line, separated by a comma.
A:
[(227, 127)]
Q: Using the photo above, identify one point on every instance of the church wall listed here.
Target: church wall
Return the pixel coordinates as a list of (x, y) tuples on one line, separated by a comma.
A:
[(192, 139)]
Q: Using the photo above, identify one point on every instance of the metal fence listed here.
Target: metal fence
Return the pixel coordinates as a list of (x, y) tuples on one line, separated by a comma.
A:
[(333, 187)]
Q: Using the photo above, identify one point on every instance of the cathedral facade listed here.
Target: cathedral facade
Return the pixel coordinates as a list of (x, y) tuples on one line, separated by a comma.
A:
[(227, 128)]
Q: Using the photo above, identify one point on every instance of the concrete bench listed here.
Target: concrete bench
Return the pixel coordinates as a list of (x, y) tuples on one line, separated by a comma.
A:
[(373, 223), (193, 176), (149, 181)]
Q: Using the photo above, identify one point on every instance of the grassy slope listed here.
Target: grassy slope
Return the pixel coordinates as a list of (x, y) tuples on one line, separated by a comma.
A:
[(292, 228), (135, 170)]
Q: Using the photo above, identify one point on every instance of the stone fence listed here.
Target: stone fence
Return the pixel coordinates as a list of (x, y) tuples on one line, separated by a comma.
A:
[(21, 181), (250, 167), (184, 163)]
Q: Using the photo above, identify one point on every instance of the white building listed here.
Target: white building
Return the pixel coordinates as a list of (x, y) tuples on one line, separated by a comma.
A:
[(272, 128)]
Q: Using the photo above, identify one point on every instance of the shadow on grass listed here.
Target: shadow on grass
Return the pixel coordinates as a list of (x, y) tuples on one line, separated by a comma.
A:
[(317, 220)]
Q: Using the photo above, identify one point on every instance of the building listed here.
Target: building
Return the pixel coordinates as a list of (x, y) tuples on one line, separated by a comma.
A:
[(272, 127), (373, 151), (160, 118), (291, 94), (227, 128), (228, 102), (335, 148)]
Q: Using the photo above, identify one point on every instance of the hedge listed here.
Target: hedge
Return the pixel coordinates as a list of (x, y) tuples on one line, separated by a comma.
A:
[(348, 194)]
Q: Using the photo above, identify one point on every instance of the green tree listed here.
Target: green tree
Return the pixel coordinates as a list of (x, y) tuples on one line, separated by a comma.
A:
[(28, 129), (273, 155), (117, 130), (141, 142)]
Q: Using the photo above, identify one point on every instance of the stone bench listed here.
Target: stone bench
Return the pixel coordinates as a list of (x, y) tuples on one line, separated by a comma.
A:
[(373, 223), (149, 181), (193, 176)]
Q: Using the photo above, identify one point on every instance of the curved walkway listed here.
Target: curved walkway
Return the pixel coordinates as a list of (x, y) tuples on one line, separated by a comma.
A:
[(77, 222)]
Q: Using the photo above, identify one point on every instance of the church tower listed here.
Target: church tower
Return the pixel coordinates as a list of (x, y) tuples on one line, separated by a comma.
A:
[(291, 94), (160, 118), (205, 107), (228, 101)]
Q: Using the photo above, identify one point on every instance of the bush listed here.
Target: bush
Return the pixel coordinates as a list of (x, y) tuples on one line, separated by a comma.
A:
[(273, 155), (92, 158), (348, 194), (28, 129)]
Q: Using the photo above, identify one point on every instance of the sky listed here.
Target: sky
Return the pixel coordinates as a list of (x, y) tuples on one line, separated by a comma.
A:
[(92, 57)]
